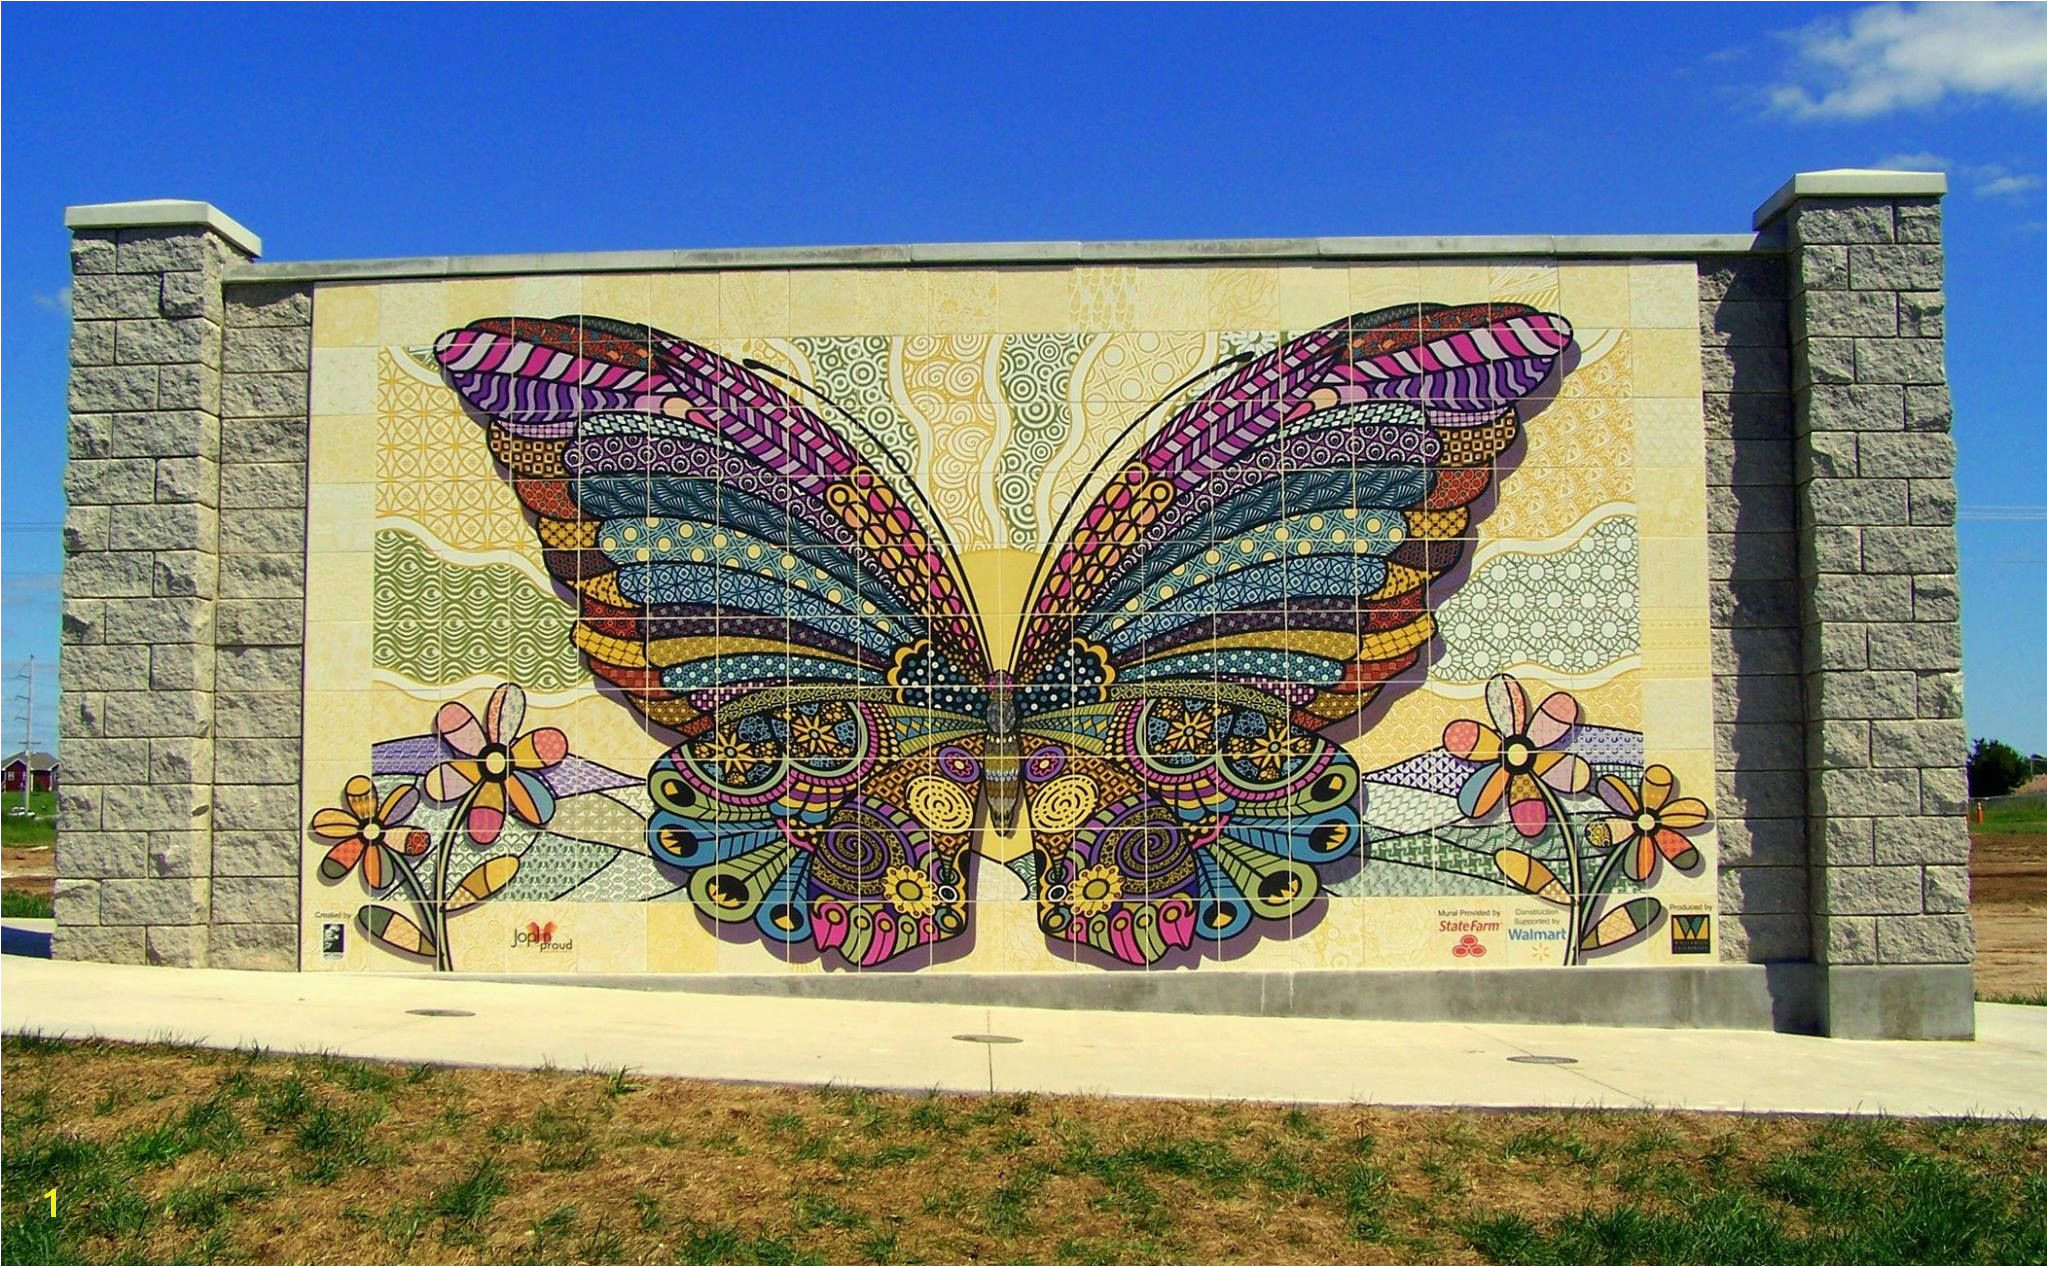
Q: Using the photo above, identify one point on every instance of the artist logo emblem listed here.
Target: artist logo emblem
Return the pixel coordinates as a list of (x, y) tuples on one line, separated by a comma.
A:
[(540, 937), (1691, 934)]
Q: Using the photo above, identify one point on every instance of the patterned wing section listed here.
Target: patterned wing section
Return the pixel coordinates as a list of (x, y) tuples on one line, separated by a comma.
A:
[(748, 581), (1261, 570)]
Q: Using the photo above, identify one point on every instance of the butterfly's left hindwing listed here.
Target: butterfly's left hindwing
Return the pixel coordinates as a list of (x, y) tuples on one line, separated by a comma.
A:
[(747, 579), (1261, 570)]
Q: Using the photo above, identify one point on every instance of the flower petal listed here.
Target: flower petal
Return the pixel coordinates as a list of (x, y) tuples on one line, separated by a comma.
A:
[(360, 795), (416, 841), (1554, 719), (541, 749), (1658, 785), (1530, 816), (505, 714), (1619, 796), (1563, 771), (530, 799), (1676, 848), (1481, 791), (1686, 811), (1606, 833), (399, 806), (335, 824), (374, 859), (486, 814), (452, 779), (459, 729), (1507, 703), (340, 858), (1642, 856), (1472, 741)]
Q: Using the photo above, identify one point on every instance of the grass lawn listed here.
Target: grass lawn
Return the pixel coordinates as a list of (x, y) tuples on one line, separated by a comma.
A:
[(2012, 814), (174, 1154), (40, 829), (19, 905)]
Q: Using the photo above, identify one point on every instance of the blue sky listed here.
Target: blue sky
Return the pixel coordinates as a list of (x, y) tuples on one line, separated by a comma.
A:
[(389, 131)]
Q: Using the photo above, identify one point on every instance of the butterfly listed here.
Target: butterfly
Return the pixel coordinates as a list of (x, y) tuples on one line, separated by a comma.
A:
[(786, 604)]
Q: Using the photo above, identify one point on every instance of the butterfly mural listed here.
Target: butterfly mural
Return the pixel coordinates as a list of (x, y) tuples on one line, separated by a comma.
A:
[(1216, 609)]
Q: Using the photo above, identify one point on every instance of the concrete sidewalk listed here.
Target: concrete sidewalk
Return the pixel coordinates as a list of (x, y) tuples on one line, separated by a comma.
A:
[(921, 1047)]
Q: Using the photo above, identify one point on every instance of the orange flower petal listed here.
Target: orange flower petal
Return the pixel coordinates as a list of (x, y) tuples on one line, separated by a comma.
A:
[(1472, 741), (1658, 784), (1686, 811), (360, 795), (335, 824)]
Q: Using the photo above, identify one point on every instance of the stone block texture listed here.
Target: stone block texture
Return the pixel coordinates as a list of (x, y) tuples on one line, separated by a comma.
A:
[(1873, 467), (1753, 577), (259, 630), (145, 733)]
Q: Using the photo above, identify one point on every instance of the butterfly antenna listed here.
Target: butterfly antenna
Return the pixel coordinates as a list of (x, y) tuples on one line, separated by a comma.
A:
[(909, 481), (1087, 481)]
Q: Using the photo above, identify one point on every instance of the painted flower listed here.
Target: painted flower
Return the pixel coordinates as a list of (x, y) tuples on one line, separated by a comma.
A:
[(909, 891), (361, 830), (1647, 822), (1097, 889), (497, 768), (1513, 757)]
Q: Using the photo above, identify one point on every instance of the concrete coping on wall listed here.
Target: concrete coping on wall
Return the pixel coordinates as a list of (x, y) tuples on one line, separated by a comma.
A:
[(1024, 254), (1850, 182), (162, 213)]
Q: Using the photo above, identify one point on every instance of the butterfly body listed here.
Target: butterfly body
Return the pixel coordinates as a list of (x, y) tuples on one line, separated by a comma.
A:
[(1257, 571)]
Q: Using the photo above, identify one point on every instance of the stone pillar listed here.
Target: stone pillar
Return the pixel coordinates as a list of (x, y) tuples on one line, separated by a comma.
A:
[(1881, 640), (141, 580)]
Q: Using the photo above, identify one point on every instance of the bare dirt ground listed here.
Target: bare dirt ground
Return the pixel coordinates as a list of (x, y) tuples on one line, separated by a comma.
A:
[(28, 869), (2009, 907)]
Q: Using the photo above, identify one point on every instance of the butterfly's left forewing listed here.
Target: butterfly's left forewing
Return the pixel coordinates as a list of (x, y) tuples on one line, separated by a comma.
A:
[(749, 581), (1262, 569)]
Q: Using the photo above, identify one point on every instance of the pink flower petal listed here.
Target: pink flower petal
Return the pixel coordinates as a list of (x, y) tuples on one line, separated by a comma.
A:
[(1471, 741), (1564, 772), (484, 824), (1507, 703), (458, 728), (540, 749), (1554, 719), (1530, 816)]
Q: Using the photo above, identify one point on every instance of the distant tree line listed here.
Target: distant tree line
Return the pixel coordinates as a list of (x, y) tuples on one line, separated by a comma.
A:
[(1996, 767)]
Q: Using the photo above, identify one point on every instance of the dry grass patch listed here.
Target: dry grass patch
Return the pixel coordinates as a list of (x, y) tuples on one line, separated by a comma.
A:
[(164, 1153)]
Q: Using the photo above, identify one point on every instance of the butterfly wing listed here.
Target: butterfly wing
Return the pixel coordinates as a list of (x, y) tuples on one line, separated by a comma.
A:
[(1259, 572), (746, 579)]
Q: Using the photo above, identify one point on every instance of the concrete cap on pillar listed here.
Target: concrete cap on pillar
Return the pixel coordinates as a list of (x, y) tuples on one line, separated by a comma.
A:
[(162, 213), (1850, 182)]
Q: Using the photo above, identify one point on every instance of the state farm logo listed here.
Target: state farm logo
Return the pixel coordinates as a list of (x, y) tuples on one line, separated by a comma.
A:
[(1469, 947), (541, 937)]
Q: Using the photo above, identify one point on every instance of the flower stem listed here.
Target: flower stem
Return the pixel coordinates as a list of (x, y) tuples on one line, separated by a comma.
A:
[(458, 824), (1606, 873), (420, 905), (1571, 858)]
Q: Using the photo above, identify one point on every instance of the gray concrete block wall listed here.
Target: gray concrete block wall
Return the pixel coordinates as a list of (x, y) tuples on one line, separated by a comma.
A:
[(259, 633), (1873, 468), (1759, 738), (141, 581)]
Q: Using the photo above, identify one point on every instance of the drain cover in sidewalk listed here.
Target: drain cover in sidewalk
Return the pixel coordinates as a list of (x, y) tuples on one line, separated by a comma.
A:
[(985, 1038), (1543, 1060), (437, 1011)]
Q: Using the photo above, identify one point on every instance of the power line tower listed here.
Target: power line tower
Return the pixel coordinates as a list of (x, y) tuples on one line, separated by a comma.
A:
[(26, 697)]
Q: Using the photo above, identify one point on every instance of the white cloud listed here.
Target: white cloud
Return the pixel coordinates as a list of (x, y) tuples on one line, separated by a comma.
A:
[(1985, 180), (57, 301), (1885, 58)]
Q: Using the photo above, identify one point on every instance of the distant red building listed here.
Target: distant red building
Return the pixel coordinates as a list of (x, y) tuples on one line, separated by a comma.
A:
[(29, 771)]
